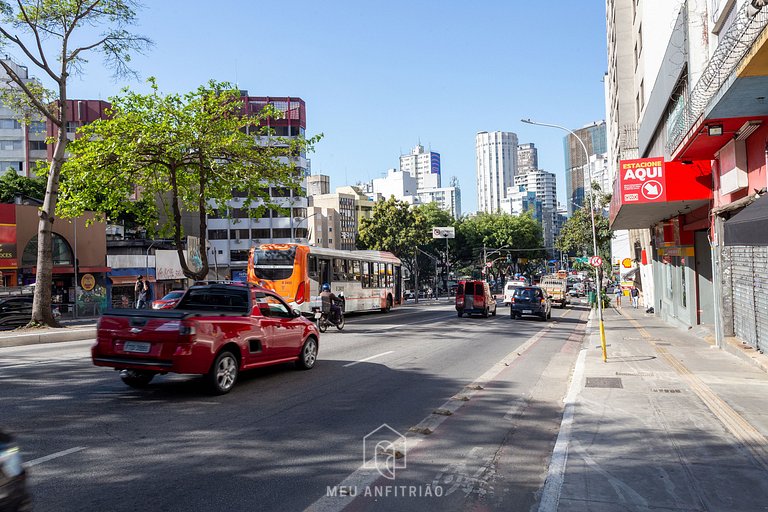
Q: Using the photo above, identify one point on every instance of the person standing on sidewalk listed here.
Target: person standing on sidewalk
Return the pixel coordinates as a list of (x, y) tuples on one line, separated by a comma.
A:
[(618, 293), (141, 293), (634, 294)]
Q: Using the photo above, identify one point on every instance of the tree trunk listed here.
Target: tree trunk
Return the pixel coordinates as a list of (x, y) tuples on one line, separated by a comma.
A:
[(41, 305)]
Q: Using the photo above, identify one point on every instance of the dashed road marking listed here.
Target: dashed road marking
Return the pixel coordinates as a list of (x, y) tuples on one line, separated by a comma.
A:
[(368, 358), (40, 460)]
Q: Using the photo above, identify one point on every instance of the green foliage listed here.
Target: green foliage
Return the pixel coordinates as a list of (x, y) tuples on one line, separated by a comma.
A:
[(182, 152), (11, 185), (576, 234), (392, 227), (497, 230)]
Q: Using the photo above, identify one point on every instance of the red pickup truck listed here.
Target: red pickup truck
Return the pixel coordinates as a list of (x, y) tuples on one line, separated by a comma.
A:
[(217, 330)]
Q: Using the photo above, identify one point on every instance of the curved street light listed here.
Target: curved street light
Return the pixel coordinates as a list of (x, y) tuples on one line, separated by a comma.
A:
[(594, 231)]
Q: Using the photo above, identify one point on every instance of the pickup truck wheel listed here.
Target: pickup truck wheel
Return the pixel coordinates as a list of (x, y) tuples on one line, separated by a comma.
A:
[(136, 378), (308, 355), (223, 373)]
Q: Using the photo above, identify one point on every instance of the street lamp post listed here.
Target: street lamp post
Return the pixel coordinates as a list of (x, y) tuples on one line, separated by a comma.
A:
[(594, 231)]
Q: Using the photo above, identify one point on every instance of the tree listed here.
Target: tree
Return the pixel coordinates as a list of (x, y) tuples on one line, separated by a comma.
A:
[(521, 234), (394, 227), (12, 185), (55, 36), (187, 152), (576, 234)]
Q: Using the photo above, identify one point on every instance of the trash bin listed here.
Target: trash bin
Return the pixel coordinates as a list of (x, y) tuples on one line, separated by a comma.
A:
[(592, 297)]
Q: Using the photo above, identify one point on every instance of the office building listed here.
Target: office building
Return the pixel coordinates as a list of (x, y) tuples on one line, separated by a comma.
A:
[(423, 165), (527, 158), (496, 165), (576, 170)]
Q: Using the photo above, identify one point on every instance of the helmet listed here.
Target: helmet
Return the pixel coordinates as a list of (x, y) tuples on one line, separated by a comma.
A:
[(326, 287)]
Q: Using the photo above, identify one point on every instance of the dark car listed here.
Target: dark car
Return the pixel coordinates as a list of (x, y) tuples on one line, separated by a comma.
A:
[(530, 300), (13, 487), (15, 311)]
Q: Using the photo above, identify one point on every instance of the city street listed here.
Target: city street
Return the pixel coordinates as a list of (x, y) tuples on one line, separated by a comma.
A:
[(290, 440), (412, 410)]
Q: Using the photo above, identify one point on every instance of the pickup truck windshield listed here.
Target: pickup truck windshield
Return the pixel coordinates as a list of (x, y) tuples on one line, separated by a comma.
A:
[(232, 300)]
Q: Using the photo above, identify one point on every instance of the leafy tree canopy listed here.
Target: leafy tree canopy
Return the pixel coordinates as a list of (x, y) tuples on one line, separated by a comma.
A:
[(12, 185), (576, 234), (187, 152)]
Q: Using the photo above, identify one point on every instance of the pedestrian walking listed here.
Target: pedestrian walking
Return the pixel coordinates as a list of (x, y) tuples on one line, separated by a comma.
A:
[(634, 294), (618, 293), (140, 290)]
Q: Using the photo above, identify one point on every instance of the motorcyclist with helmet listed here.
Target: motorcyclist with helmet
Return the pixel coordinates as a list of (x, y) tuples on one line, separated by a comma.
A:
[(329, 300)]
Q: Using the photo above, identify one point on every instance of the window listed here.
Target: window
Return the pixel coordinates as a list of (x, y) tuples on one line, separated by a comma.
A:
[(267, 213), (366, 274), (276, 307), (261, 233), (281, 192), (62, 253), (11, 145), (301, 232), (356, 270), (72, 126), (37, 127), (300, 212), (9, 124), (217, 234), (16, 166), (238, 256), (238, 234), (281, 233), (37, 145)]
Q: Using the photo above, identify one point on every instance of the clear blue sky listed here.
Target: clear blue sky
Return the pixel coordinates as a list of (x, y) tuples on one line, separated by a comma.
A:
[(378, 77)]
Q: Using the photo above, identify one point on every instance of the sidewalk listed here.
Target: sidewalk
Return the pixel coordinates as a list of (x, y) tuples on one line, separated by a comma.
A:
[(669, 422), (71, 330)]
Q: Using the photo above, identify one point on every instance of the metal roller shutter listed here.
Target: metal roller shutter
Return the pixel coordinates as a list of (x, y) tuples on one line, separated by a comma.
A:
[(742, 280), (760, 258)]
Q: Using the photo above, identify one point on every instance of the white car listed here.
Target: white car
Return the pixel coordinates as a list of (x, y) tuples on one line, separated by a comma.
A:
[(509, 290)]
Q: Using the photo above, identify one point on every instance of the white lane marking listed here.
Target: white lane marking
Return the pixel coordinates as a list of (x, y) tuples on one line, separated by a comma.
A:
[(365, 476), (550, 495), (40, 460), (368, 358)]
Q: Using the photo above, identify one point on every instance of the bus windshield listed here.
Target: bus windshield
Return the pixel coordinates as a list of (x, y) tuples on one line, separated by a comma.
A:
[(273, 264)]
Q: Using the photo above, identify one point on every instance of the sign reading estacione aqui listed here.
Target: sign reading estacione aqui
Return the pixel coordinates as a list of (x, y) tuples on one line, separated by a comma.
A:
[(642, 181)]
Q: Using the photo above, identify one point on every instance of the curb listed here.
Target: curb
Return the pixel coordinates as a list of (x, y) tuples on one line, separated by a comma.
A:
[(48, 336), (745, 352)]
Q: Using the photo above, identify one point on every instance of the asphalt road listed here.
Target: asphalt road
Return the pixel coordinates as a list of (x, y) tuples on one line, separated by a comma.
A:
[(478, 400)]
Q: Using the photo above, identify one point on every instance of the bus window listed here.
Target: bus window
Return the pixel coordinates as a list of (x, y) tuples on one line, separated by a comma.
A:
[(389, 275), (338, 269), (356, 270), (324, 269), (313, 267), (365, 274)]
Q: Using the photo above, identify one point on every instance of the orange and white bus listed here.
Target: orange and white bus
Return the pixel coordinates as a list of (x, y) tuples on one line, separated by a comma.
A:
[(369, 280)]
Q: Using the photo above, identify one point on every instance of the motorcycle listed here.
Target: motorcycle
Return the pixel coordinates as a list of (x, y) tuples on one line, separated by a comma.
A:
[(324, 320)]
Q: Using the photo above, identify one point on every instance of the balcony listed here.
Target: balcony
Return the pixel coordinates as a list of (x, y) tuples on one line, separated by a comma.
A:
[(730, 92)]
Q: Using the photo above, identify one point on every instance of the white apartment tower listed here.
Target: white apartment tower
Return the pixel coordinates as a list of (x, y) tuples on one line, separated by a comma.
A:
[(496, 157), (423, 165)]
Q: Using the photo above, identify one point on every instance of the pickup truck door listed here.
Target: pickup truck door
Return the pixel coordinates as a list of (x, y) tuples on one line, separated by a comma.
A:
[(287, 330)]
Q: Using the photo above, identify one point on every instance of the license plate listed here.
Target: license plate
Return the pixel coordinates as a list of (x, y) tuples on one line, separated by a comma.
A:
[(527, 311), (318, 315), (139, 347)]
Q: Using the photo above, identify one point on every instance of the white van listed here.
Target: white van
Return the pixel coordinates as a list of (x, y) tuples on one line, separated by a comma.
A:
[(509, 289)]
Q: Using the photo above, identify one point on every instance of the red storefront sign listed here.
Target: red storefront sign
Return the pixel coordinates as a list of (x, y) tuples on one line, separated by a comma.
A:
[(642, 181), (8, 236)]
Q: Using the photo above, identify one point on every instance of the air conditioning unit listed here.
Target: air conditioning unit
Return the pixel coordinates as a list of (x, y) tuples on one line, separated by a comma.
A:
[(733, 167)]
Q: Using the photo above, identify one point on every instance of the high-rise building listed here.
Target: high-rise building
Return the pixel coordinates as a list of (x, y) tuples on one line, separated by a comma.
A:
[(542, 186), (576, 170), (527, 158), (232, 235), (496, 164), (21, 145), (423, 165), (402, 185), (333, 219), (447, 198), (318, 184)]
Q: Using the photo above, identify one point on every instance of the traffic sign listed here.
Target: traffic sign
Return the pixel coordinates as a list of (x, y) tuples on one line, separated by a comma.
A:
[(595, 261), (443, 232)]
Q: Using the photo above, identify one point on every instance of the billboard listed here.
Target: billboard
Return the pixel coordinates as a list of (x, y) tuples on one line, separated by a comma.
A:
[(642, 181), (435, 162)]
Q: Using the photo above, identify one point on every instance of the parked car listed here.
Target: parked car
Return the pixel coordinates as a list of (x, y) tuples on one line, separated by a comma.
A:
[(474, 297), (13, 479), (530, 300), (16, 311), (216, 330), (169, 300)]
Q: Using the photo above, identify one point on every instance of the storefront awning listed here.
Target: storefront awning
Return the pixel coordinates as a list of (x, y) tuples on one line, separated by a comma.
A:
[(649, 190), (748, 226), (128, 280)]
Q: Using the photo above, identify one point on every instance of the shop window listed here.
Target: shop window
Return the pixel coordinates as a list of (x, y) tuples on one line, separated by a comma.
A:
[(62, 252)]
